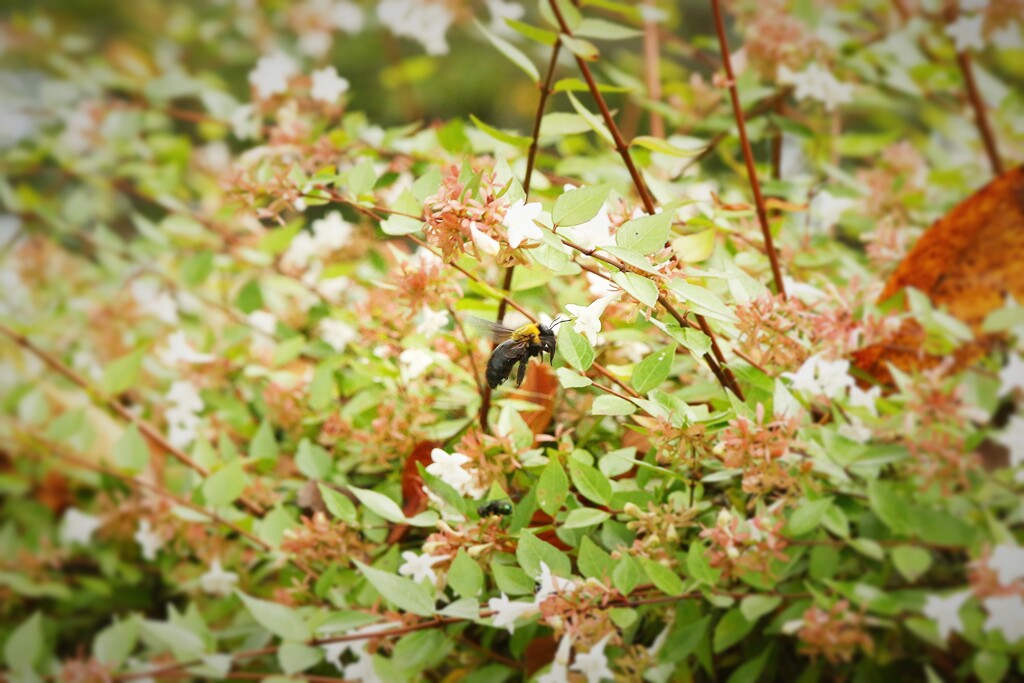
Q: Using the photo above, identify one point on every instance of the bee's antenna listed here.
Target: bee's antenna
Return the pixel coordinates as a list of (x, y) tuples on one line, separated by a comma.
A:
[(558, 321)]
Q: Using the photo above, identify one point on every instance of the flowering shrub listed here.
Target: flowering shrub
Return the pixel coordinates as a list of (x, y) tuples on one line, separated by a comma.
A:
[(246, 429)]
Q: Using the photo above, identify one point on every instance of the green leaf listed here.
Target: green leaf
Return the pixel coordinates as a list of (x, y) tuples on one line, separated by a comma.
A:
[(991, 667), (296, 657), (399, 591), (581, 518), (887, 503), (641, 288), (465, 576), (607, 404), (575, 348), (653, 370), (122, 374), (754, 607), (224, 486), (911, 562), (512, 580), (623, 617), (534, 33), (288, 350), (281, 620), (572, 380), (321, 387), (250, 297), (552, 487), (197, 268), (500, 135), (380, 504), (699, 567), (338, 504), (421, 650), (361, 178), (183, 643), (531, 551), (584, 49), (24, 647), (578, 206), (750, 671), (663, 578), (626, 575), (646, 234), (593, 121), (730, 630), (614, 463), (696, 247), (114, 643), (313, 461), (512, 52), (808, 516), (264, 445), (868, 548), (663, 146), (684, 640), (604, 30), (593, 561), (703, 301), (590, 482), (131, 452)]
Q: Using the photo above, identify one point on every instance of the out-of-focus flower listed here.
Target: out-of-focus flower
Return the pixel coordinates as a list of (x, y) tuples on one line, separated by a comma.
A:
[(946, 611), (301, 251), (78, 527), (421, 20), (1008, 562), (500, 10), (594, 664), (337, 334), (1013, 438), (816, 83), (431, 322), (551, 584), (148, 540), (270, 77), (966, 32), (559, 671), (183, 414), (821, 377), (507, 612), (332, 232), (826, 209), (263, 321), (216, 581), (865, 399), (246, 123), (484, 242), (588, 318), (420, 567), (519, 221), (328, 86), (1006, 614), (1011, 377), (413, 362), (180, 350), (151, 300), (448, 468)]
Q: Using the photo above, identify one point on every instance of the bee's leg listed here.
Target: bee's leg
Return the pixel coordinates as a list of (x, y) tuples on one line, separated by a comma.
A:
[(522, 371)]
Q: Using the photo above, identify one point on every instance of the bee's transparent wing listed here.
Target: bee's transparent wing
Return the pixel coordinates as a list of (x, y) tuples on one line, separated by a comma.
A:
[(498, 333)]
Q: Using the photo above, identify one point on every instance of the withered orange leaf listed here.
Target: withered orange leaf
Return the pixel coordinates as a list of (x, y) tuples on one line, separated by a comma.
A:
[(967, 263), (414, 499), (538, 387)]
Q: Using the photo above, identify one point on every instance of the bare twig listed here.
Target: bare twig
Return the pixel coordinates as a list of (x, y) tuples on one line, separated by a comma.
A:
[(652, 72), (980, 114), (748, 154)]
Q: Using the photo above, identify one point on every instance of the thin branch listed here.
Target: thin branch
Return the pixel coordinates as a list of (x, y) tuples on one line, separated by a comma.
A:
[(980, 114), (116, 406), (748, 154), (47, 448), (652, 74), (620, 145)]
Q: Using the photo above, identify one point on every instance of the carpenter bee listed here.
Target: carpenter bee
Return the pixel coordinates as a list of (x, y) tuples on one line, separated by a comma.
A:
[(518, 345), (501, 508)]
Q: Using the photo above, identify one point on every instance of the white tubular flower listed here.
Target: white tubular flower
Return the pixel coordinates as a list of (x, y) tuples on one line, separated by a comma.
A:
[(519, 221)]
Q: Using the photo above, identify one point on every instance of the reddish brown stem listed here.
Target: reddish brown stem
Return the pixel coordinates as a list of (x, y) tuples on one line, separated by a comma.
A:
[(748, 154), (620, 145), (652, 74), (980, 113)]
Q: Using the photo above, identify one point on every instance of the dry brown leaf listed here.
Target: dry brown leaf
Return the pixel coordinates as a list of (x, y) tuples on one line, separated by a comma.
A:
[(967, 263), (538, 387)]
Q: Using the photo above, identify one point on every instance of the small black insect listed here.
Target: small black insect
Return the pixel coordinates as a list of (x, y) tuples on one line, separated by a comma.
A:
[(518, 345), (502, 508)]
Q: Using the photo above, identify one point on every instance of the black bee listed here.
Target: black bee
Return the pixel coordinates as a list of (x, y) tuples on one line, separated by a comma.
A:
[(518, 345), (501, 508)]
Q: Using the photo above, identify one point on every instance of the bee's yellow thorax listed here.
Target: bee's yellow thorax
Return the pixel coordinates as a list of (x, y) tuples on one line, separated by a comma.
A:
[(529, 331)]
